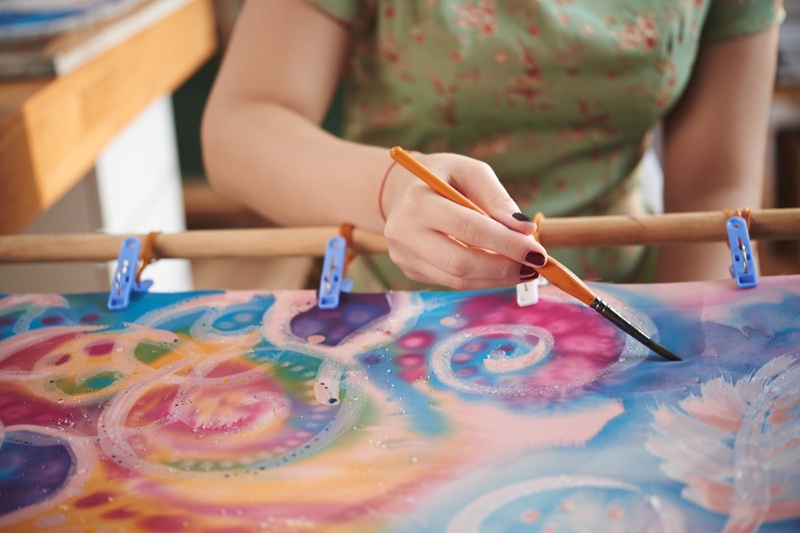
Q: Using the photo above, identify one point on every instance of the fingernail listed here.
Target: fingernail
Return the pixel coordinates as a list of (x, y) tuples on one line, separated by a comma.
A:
[(535, 258), (526, 270), (522, 218), (530, 278)]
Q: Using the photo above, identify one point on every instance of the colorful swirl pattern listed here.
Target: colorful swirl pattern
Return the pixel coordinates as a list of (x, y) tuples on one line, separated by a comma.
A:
[(252, 411)]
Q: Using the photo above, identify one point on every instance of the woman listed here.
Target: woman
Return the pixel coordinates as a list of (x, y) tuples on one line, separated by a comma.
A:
[(557, 98)]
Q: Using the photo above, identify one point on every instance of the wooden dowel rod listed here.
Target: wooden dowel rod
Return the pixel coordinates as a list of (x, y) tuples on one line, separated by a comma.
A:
[(765, 224), (200, 244)]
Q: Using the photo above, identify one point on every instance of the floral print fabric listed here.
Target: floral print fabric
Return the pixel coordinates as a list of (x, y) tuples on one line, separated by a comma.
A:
[(558, 96)]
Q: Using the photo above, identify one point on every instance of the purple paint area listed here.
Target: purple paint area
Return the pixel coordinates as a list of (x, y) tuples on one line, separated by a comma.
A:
[(355, 311), (33, 468)]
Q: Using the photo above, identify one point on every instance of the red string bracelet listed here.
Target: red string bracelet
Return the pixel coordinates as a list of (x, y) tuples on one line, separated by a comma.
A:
[(383, 186)]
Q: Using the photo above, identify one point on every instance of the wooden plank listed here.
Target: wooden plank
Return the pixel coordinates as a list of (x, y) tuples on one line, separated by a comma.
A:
[(52, 138)]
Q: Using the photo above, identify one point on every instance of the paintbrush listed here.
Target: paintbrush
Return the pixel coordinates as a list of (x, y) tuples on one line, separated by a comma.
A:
[(553, 271)]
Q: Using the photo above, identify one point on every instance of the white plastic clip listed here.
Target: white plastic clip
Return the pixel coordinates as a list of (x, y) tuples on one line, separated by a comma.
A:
[(743, 267), (528, 293), (332, 283), (125, 276)]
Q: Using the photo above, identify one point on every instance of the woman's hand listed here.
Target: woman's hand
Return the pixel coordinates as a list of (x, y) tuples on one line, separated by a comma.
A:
[(434, 240)]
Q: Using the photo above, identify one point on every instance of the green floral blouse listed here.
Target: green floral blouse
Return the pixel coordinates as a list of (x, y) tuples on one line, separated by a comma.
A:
[(558, 96)]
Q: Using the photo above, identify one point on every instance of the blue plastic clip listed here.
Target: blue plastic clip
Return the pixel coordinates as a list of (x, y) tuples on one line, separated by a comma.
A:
[(333, 283), (125, 276), (743, 267)]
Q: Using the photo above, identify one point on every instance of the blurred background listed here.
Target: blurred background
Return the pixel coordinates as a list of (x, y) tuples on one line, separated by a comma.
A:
[(100, 110)]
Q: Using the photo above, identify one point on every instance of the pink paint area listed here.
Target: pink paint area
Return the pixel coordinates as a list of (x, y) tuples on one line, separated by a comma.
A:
[(416, 340), (52, 320), (99, 348), (570, 429), (152, 406), (229, 409), (584, 343), (19, 407), (475, 346), (719, 413), (235, 409), (780, 414), (122, 513), (714, 495), (414, 374), (94, 500), (165, 523), (576, 328), (231, 367), (410, 360), (203, 411), (411, 366), (26, 358)]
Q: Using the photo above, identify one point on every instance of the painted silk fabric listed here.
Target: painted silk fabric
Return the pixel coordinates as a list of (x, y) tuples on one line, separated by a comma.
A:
[(401, 412), (556, 95)]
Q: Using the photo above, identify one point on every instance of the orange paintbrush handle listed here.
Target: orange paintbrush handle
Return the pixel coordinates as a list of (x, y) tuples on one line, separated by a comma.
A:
[(434, 182), (553, 271), (563, 278)]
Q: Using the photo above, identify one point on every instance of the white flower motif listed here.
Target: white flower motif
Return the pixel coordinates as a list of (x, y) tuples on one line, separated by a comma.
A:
[(736, 446)]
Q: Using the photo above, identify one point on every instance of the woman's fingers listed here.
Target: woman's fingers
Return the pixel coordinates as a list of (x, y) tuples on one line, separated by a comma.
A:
[(474, 229), (477, 181), (435, 240), (439, 259)]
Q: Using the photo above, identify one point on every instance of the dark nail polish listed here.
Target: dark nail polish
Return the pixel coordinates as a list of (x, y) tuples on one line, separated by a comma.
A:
[(522, 218), (526, 270), (535, 258), (530, 278)]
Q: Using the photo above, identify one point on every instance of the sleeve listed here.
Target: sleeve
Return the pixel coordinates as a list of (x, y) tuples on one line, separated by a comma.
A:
[(729, 19), (350, 12)]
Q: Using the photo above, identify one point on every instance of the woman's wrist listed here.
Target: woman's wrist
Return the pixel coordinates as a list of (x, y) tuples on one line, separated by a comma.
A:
[(388, 186)]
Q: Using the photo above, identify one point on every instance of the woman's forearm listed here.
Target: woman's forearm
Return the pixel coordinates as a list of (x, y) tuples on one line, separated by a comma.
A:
[(288, 169), (715, 144)]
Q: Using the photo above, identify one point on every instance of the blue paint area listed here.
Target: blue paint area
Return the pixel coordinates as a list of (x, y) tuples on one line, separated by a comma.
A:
[(241, 317), (33, 468), (775, 323), (408, 400)]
